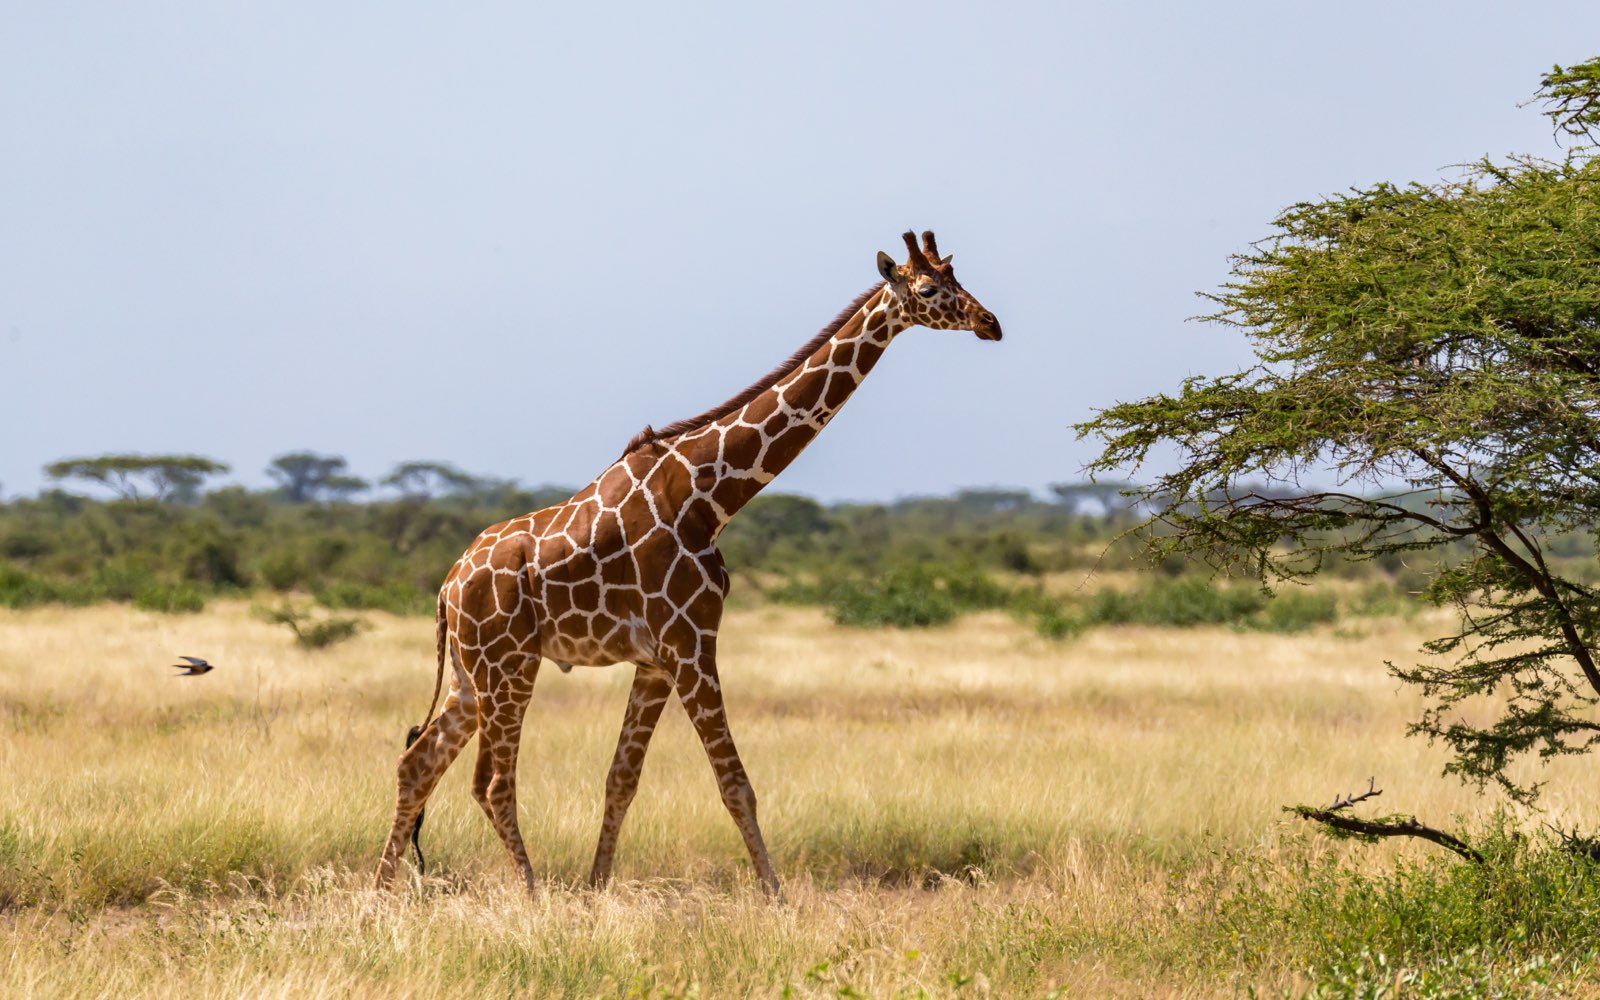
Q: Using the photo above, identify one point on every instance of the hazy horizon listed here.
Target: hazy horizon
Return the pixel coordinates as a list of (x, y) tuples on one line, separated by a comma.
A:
[(508, 238)]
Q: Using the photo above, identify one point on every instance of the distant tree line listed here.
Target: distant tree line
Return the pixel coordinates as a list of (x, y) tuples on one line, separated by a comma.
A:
[(145, 528)]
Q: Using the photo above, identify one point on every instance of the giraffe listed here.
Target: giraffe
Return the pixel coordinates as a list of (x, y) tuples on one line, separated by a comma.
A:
[(628, 570)]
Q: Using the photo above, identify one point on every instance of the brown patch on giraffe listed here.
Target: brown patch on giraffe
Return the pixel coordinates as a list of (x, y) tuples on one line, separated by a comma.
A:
[(805, 391), (680, 636), (697, 519), (840, 386), (705, 477), (621, 603), (614, 484), (740, 446), (654, 561), (706, 606), (731, 494), (581, 527), (552, 549), (507, 592), (581, 566), (760, 409), (608, 529), (669, 480), (785, 448), (684, 580), (586, 594), (636, 517), (501, 647), (714, 569)]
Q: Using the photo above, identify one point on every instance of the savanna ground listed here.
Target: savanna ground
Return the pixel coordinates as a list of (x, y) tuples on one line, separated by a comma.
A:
[(961, 811)]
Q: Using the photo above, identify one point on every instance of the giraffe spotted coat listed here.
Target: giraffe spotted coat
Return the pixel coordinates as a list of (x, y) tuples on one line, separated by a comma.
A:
[(627, 570)]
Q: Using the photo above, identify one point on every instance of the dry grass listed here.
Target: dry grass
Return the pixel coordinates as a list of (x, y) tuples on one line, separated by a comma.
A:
[(969, 803)]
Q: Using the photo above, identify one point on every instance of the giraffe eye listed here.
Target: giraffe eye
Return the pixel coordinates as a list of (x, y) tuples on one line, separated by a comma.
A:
[(927, 291)]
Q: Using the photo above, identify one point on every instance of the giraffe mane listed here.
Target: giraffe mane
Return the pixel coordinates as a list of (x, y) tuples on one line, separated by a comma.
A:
[(650, 435)]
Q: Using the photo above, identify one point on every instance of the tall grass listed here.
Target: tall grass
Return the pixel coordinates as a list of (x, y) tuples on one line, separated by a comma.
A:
[(954, 810)]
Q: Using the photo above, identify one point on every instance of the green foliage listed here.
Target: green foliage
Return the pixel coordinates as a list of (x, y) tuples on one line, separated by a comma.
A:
[(1178, 603), (1297, 611), (172, 598), (20, 589), (910, 596), (1058, 622), (1191, 601), (312, 632), (305, 477), (1439, 927), (1438, 337), (395, 598), (1571, 95)]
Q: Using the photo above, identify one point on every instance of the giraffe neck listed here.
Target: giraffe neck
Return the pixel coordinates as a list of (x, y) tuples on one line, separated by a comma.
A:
[(731, 459)]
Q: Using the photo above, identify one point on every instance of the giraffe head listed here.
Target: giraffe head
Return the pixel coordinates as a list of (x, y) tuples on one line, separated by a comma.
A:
[(926, 292)]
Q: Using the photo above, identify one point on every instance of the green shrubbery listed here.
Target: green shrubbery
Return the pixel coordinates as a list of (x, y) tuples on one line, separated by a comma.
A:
[(311, 631), (1440, 927), (923, 594), (1197, 601), (908, 596), (20, 589)]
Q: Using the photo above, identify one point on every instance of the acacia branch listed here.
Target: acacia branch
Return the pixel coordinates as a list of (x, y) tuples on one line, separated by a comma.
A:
[(1537, 575), (1392, 826)]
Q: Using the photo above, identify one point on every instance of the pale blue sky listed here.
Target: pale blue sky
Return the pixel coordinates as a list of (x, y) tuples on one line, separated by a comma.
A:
[(508, 238)]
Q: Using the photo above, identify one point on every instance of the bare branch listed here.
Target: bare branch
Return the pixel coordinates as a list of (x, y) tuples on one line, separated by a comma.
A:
[(1372, 792)]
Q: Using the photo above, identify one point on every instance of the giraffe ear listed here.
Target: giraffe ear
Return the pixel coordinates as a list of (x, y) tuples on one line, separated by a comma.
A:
[(886, 267)]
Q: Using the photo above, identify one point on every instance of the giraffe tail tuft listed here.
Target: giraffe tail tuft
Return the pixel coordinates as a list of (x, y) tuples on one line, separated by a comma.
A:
[(416, 828)]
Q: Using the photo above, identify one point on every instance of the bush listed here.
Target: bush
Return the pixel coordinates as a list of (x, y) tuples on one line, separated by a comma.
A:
[(170, 598), (19, 589), (1060, 623), (309, 632), (396, 598), (1180, 603), (1192, 601), (910, 596), (1296, 611), (1528, 917)]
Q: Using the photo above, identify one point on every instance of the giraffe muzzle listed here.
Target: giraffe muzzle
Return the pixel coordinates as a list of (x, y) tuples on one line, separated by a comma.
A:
[(988, 327)]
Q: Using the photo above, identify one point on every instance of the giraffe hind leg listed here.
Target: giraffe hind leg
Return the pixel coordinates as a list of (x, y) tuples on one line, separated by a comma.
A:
[(652, 687), (422, 765)]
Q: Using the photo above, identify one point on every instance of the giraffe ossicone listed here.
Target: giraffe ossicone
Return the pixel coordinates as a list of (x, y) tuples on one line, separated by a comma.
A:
[(627, 570)]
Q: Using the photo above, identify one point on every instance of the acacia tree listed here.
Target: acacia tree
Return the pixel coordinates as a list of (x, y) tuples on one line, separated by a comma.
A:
[(137, 477), (424, 480), (1430, 355), (305, 476)]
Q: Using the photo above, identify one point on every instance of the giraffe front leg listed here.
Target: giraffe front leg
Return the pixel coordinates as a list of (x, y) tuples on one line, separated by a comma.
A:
[(701, 694), (651, 688), (500, 726)]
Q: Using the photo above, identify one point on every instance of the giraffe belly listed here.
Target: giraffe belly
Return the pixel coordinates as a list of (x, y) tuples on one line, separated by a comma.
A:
[(625, 641)]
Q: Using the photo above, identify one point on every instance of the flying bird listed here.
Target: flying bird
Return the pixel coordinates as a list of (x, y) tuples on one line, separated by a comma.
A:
[(195, 668)]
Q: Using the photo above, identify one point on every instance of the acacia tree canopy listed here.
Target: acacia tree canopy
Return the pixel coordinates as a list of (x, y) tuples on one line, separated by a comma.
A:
[(136, 477), (305, 476), (1430, 353)]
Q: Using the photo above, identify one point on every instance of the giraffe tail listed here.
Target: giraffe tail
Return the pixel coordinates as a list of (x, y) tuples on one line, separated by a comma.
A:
[(416, 828), (441, 630)]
